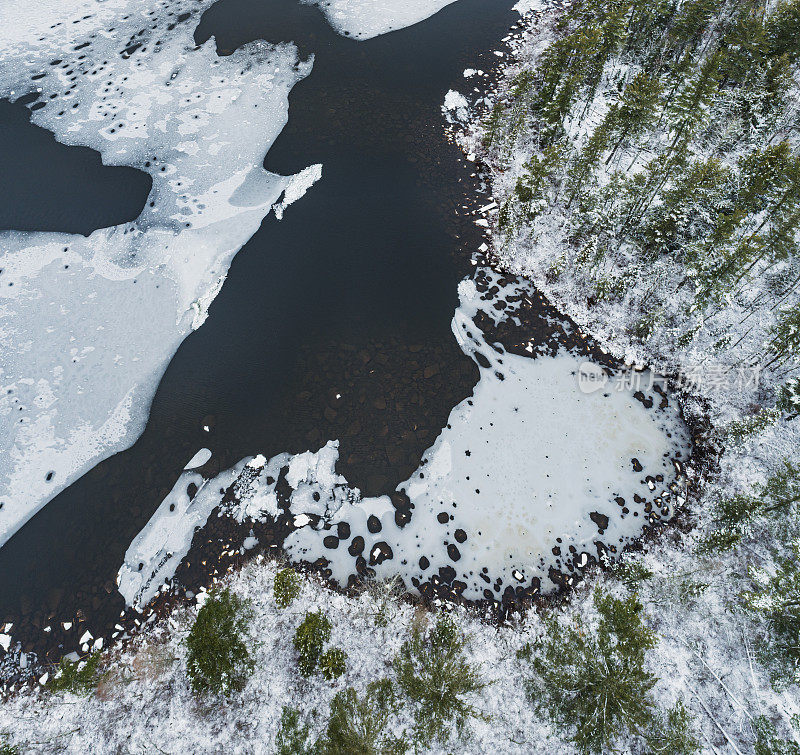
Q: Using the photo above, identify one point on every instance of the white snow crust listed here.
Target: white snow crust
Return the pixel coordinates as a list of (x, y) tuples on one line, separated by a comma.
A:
[(364, 19), (455, 106), (89, 324), (167, 537), (523, 7), (519, 469)]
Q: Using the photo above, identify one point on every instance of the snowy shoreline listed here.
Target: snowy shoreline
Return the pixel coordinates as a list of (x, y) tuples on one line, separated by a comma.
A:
[(705, 652), (166, 559)]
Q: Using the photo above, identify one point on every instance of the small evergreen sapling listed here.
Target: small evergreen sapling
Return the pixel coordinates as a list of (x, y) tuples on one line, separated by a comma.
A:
[(333, 663), (359, 725), (286, 587), (309, 640), (293, 738), (79, 677), (218, 661), (631, 572), (673, 734), (434, 672)]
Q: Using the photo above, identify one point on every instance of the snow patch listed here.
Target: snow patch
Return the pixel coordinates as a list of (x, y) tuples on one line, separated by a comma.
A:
[(297, 187), (364, 19), (455, 106), (523, 7), (157, 551)]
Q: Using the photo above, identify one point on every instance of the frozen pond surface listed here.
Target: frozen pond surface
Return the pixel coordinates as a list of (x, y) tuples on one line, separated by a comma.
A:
[(354, 288), (90, 323), (326, 367)]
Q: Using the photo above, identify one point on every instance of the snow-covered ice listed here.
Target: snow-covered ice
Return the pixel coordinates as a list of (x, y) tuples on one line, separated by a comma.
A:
[(364, 19), (89, 324), (157, 551), (200, 458), (455, 106), (533, 471)]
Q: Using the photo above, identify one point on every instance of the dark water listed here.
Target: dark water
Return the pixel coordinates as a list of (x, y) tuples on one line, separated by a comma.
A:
[(352, 293), (46, 186)]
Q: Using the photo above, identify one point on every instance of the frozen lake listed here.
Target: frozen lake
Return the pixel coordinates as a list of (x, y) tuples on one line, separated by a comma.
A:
[(355, 287), (292, 324)]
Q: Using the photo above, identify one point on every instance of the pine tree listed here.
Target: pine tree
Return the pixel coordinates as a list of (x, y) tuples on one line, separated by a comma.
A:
[(636, 111), (596, 683), (744, 47), (688, 210), (648, 21), (613, 31), (784, 342), (775, 596), (690, 24), (532, 187), (783, 30), (690, 107), (590, 155), (359, 725)]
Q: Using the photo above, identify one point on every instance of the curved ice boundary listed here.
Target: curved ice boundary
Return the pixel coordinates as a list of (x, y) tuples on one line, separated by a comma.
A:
[(364, 19), (551, 464), (88, 325)]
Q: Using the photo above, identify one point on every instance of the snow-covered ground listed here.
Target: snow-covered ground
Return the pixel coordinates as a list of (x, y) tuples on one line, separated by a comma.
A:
[(147, 703), (705, 656)]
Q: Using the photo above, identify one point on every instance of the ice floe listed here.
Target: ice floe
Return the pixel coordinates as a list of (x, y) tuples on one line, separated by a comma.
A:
[(455, 106), (364, 19), (200, 458), (88, 325)]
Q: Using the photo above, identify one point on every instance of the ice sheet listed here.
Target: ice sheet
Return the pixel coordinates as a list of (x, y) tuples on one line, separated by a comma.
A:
[(364, 19), (87, 325), (537, 470)]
